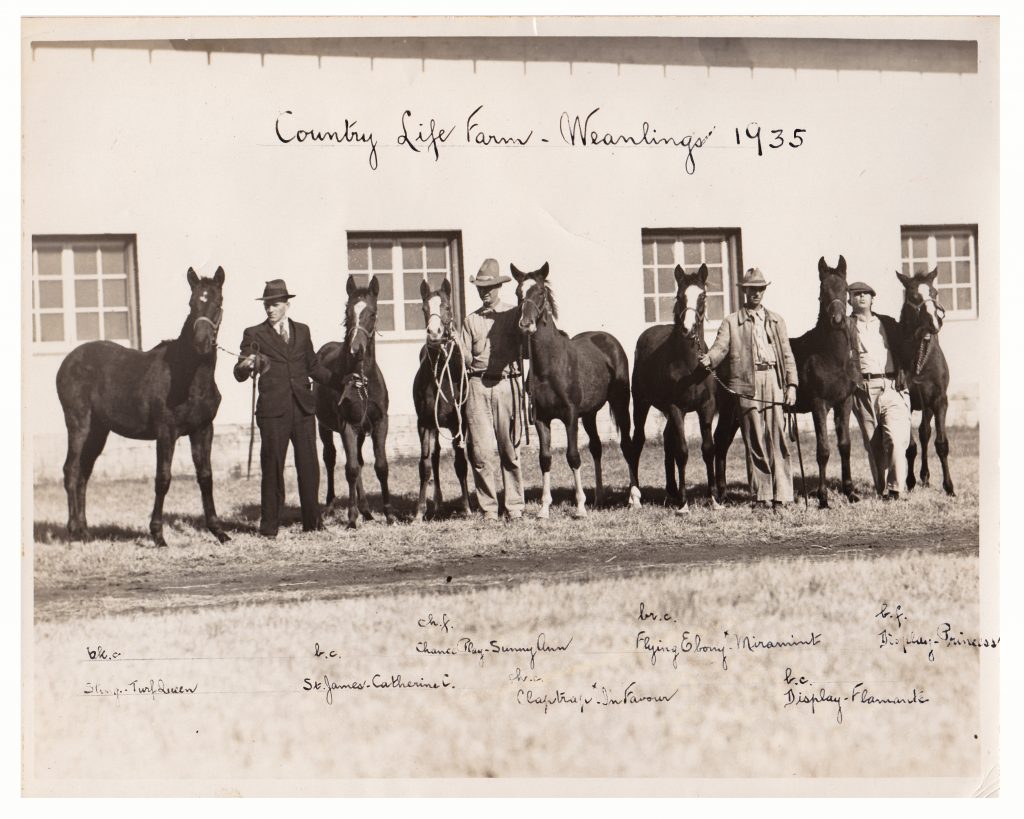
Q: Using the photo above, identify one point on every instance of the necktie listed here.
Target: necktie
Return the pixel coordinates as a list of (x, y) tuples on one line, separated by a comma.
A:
[(282, 329)]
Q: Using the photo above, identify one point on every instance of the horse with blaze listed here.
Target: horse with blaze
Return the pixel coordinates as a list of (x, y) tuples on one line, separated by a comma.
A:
[(439, 392), (667, 375)]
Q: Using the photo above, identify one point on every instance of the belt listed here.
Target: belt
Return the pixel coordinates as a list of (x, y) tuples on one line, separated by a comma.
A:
[(482, 373), (764, 366), (876, 376)]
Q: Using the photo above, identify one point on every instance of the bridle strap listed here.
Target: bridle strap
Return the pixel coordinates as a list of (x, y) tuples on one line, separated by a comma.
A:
[(214, 324)]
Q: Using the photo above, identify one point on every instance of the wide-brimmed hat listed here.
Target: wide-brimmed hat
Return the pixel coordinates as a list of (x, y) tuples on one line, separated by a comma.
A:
[(860, 287), (489, 275), (754, 278), (276, 290)]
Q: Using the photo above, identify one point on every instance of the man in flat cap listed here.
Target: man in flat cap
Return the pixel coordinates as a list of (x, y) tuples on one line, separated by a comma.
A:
[(881, 402), (281, 352), (490, 346), (762, 371)]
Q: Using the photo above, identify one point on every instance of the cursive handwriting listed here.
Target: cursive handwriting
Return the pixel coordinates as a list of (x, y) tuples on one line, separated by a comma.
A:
[(628, 696), (136, 688), (100, 653), (466, 645), (348, 134), (376, 682)]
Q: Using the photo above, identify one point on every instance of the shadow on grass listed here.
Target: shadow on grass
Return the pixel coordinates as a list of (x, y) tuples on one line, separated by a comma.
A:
[(48, 531)]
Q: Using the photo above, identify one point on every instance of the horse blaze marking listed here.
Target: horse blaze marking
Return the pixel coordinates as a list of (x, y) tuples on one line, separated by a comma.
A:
[(357, 310), (692, 294), (434, 311)]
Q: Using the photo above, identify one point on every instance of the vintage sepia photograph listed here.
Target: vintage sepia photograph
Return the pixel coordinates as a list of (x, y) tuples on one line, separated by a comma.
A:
[(563, 405)]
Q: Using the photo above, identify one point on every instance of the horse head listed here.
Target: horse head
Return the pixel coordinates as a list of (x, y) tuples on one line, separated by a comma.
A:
[(535, 298), (832, 294), (360, 316), (919, 293), (691, 289), (206, 308), (437, 312)]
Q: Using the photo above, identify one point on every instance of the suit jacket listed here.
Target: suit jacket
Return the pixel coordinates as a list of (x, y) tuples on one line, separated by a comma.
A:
[(291, 367), (735, 340), (893, 342)]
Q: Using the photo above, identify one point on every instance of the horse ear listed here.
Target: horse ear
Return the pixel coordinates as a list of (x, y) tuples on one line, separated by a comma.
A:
[(542, 274), (424, 290), (822, 268), (931, 276), (517, 274), (678, 273), (446, 287), (350, 286), (193, 279), (841, 267), (703, 273), (218, 277), (906, 281), (374, 286)]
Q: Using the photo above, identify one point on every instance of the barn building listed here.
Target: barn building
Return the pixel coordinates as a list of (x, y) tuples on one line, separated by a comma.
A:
[(611, 158)]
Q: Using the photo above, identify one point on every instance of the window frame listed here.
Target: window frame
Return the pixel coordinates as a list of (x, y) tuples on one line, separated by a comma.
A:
[(453, 242), (930, 233), (732, 261), (69, 307)]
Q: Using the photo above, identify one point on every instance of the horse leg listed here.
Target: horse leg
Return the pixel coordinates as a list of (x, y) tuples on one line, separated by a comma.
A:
[(572, 456), (841, 419), (676, 418), (94, 443), (166, 439), (941, 445), (640, 410), (590, 425), (911, 456), (668, 438), (820, 413), (728, 425), (925, 433), (380, 466), (618, 403), (435, 462), (705, 415), (202, 441), (426, 446), (330, 458), (462, 472), (544, 444), (77, 435), (349, 441), (363, 502)]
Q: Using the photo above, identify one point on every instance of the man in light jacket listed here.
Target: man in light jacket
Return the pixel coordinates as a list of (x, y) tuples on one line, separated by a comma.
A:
[(762, 372)]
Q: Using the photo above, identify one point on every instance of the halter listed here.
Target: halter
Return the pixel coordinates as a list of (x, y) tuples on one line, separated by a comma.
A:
[(698, 321), (214, 324), (925, 345), (542, 308)]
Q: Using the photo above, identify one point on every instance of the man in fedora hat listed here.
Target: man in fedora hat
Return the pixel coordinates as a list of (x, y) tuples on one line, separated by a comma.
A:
[(762, 371), (881, 402), (490, 347), (281, 352)]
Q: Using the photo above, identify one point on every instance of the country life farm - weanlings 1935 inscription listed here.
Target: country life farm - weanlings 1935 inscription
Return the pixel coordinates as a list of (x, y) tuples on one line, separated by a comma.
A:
[(427, 135)]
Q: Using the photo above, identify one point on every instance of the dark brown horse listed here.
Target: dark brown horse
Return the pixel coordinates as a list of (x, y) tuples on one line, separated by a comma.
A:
[(439, 393), (668, 376), (570, 380), (829, 373), (927, 371), (362, 405), (159, 395)]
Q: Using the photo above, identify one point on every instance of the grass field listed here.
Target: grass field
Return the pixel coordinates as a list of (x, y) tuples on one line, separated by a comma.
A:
[(251, 717), (121, 570)]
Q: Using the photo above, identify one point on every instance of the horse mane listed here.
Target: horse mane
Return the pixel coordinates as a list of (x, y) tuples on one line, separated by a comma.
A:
[(552, 304)]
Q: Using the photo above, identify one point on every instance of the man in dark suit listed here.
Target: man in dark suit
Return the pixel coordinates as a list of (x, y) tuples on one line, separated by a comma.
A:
[(281, 352)]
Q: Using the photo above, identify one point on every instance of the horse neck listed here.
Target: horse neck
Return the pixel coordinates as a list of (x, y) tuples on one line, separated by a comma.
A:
[(184, 350), (835, 340), (690, 347), (548, 349)]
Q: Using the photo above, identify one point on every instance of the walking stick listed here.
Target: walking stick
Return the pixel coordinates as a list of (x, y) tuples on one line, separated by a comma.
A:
[(252, 415)]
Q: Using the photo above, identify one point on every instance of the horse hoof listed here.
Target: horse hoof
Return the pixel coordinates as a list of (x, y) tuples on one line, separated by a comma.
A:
[(580, 512), (355, 523), (823, 503), (853, 497), (222, 537), (390, 520), (683, 511), (543, 514), (159, 541), (715, 505), (418, 518), (950, 492), (81, 534)]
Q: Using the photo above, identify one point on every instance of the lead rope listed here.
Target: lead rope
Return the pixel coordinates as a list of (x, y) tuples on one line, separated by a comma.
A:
[(252, 419), (457, 401)]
